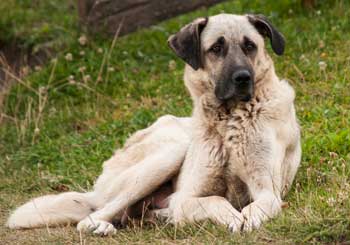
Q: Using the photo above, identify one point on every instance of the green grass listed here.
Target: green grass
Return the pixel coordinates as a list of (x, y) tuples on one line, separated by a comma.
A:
[(37, 24), (55, 134)]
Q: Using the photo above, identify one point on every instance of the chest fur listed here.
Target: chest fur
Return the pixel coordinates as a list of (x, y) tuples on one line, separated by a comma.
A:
[(244, 129)]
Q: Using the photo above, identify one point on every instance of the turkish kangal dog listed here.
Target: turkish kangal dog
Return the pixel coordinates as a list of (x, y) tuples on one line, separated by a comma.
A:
[(231, 162)]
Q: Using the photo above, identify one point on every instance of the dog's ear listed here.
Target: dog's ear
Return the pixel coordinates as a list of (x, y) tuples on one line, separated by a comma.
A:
[(266, 29), (186, 43)]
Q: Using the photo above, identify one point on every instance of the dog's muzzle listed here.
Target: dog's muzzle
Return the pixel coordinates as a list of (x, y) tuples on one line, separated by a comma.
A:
[(240, 87)]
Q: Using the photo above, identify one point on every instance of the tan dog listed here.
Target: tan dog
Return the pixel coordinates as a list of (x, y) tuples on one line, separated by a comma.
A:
[(231, 162)]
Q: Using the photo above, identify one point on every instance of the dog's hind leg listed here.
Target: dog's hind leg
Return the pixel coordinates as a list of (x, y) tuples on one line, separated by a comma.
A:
[(135, 183), (163, 153)]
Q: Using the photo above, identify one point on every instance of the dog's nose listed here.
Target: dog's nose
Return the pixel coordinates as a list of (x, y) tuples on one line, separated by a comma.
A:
[(242, 77)]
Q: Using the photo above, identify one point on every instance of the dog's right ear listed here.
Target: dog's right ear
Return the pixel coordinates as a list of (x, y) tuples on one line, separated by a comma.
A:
[(186, 43)]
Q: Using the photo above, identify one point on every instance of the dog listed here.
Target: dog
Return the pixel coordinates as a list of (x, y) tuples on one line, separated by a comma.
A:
[(231, 162)]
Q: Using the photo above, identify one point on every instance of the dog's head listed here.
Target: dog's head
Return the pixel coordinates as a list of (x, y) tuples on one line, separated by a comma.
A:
[(226, 53)]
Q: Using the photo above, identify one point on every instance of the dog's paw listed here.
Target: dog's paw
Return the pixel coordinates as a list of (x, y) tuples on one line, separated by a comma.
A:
[(253, 218), (105, 229), (98, 227), (236, 224), (162, 215)]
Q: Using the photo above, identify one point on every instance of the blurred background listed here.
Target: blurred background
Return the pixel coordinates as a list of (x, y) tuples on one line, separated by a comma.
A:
[(78, 77)]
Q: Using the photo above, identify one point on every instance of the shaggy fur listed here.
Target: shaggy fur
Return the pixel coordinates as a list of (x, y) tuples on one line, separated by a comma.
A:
[(231, 162)]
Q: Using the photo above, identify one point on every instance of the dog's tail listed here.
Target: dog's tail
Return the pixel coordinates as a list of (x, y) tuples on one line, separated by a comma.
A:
[(51, 210)]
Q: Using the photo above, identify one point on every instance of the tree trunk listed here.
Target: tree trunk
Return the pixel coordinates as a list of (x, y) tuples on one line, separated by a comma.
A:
[(106, 15), (308, 4)]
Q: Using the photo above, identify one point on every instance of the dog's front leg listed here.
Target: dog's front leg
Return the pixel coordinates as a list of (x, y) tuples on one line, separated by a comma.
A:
[(264, 183), (266, 206), (214, 208), (201, 187)]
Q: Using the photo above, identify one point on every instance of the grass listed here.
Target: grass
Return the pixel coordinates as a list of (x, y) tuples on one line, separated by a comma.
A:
[(60, 123), (36, 23)]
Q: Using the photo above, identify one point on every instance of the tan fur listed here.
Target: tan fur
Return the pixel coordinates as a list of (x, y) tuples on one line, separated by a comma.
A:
[(257, 143), (233, 164)]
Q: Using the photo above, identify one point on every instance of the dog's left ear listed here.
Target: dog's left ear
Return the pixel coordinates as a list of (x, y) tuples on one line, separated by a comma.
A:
[(266, 29), (186, 43)]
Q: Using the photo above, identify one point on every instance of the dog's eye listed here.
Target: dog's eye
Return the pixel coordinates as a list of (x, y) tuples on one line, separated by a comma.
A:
[(216, 48), (249, 46)]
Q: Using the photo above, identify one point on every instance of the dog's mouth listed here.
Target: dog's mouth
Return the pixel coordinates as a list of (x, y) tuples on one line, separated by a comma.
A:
[(228, 104), (236, 98)]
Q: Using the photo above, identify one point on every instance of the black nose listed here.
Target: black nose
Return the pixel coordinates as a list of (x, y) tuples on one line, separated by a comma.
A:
[(242, 77)]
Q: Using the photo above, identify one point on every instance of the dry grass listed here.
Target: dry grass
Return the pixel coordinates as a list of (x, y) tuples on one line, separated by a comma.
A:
[(61, 122)]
